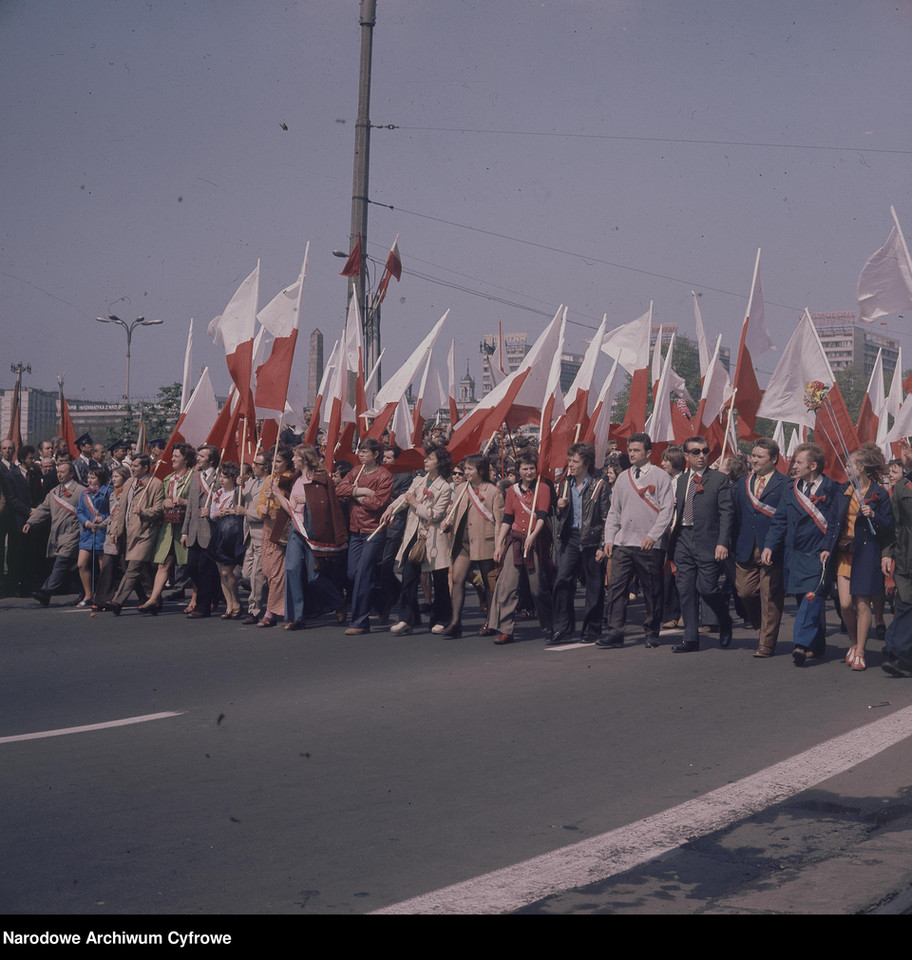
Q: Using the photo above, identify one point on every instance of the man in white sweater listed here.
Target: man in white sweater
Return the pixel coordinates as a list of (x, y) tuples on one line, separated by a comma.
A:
[(642, 504)]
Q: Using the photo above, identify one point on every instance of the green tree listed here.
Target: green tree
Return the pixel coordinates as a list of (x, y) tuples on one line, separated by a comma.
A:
[(160, 416)]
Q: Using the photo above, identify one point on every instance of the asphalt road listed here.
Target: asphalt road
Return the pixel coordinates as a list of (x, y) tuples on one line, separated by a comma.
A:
[(313, 773)]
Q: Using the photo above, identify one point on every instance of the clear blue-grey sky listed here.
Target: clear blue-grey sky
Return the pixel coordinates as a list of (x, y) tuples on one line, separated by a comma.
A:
[(598, 153)]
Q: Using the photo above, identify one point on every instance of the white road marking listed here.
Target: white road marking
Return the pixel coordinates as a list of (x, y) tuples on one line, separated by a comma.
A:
[(619, 850), (88, 727)]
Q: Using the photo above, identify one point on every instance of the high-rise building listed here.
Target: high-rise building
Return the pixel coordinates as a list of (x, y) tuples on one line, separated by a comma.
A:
[(314, 367), (846, 342)]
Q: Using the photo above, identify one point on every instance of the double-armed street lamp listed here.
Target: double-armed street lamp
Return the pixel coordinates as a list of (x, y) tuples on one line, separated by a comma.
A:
[(129, 327)]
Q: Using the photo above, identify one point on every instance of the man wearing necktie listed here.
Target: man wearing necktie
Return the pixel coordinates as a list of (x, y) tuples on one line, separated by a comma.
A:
[(760, 587), (807, 524), (700, 538), (59, 507)]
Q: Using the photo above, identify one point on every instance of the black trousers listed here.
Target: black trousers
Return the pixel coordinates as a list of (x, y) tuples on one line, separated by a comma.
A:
[(628, 563), (570, 558)]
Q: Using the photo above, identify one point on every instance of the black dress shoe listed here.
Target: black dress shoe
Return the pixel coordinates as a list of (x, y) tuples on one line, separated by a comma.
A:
[(558, 638), (42, 597), (605, 642), (652, 643), (725, 635), (685, 647), (115, 608), (799, 656)]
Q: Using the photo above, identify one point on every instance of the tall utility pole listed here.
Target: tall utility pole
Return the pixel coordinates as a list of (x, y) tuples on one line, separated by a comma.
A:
[(370, 320)]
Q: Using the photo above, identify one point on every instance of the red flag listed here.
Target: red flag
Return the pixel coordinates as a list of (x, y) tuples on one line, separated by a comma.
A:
[(393, 269), (834, 432), (352, 266), (872, 405), (754, 338), (281, 318), (67, 430)]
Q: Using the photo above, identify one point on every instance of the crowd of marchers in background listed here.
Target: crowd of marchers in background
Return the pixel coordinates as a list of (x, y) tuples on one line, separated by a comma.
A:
[(290, 540)]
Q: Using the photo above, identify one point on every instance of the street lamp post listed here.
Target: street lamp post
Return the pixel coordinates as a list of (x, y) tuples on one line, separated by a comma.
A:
[(129, 327)]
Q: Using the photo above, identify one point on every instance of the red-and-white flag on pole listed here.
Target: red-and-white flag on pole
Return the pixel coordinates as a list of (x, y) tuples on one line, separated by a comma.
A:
[(659, 425), (600, 419), (66, 430), (885, 283), (346, 393), (550, 455), (235, 330), (872, 404), (516, 400), (187, 384), (393, 268), (389, 395), (578, 402), (316, 415), (193, 424), (702, 342), (754, 341), (431, 398), (711, 414), (892, 405), (353, 264), (280, 317), (629, 345), (452, 388)]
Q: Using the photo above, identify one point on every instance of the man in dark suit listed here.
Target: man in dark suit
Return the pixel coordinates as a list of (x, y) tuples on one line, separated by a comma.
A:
[(700, 538), (582, 507), (197, 531), (807, 522), (761, 588)]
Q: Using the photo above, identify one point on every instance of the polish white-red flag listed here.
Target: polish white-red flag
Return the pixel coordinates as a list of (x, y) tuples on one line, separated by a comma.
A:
[(599, 427), (885, 283), (316, 415), (892, 405), (551, 455), (516, 400), (872, 403), (431, 397), (280, 317), (235, 330), (578, 402), (393, 268), (629, 345), (711, 413), (659, 425), (702, 342), (346, 391), (754, 341), (389, 395), (451, 383), (193, 424), (352, 266), (187, 384)]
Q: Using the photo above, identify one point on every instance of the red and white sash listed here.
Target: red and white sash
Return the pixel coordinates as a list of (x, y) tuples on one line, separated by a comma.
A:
[(646, 493), (479, 505), (811, 509), (62, 502), (87, 500), (764, 508)]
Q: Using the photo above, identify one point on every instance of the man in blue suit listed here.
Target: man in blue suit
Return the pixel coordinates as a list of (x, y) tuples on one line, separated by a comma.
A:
[(760, 587), (807, 523)]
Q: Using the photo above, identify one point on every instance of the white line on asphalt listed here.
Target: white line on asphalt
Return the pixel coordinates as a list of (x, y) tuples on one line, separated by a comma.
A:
[(619, 850), (91, 726)]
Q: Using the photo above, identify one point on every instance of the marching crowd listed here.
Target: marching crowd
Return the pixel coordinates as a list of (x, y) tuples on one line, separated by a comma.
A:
[(371, 544)]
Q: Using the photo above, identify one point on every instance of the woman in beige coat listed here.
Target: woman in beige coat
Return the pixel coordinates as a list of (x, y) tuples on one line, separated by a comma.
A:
[(474, 519), (427, 501)]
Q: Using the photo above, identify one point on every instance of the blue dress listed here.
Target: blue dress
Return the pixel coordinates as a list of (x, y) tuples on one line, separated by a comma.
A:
[(93, 507)]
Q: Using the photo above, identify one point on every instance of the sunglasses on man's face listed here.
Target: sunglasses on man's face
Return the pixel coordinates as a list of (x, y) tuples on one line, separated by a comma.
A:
[(696, 451)]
